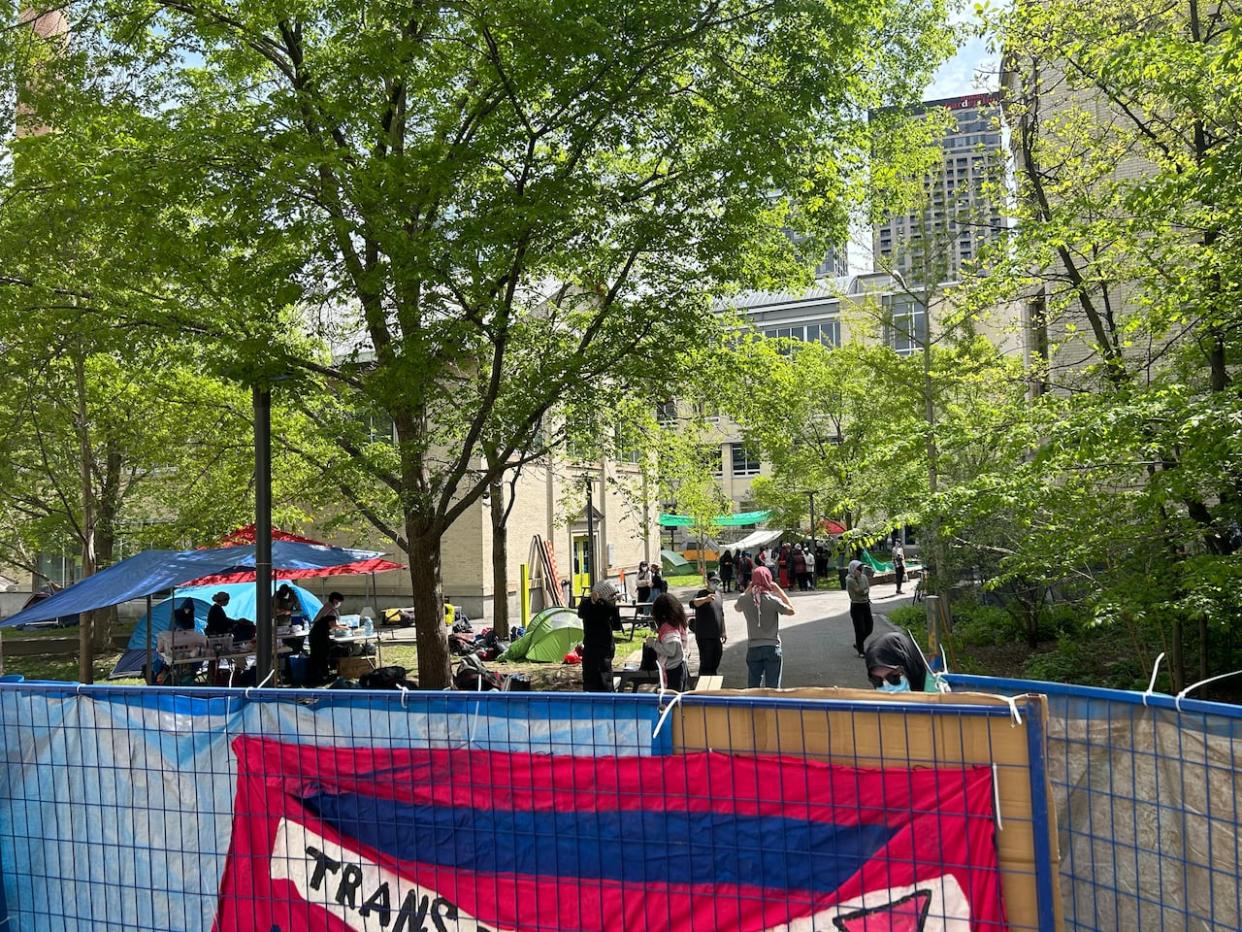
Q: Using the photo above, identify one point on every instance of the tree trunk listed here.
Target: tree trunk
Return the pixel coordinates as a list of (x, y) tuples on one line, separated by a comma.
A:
[(937, 578), (1177, 662), (108, 510), (433, 655), (1203, 649), (500, 561), (86, 644)]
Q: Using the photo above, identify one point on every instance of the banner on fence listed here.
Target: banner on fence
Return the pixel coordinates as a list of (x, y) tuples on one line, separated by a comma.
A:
[(396, 839)]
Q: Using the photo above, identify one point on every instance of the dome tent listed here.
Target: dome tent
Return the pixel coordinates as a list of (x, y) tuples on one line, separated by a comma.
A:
[(552, 634)]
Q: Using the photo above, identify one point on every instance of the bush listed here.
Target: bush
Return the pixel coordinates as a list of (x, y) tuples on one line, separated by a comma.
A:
[(986, 626), (913, 617)]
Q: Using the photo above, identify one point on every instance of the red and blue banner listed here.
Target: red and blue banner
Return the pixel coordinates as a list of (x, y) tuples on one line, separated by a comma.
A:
[(396, 840)]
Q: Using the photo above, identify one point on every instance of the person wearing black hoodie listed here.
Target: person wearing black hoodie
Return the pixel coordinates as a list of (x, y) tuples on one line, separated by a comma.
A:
[(896, 665)]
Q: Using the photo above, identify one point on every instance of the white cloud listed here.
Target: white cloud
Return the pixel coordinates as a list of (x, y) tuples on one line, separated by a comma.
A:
[(972, 69)]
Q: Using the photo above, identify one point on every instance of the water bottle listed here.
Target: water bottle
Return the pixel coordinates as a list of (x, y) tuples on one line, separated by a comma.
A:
[(370, 627)]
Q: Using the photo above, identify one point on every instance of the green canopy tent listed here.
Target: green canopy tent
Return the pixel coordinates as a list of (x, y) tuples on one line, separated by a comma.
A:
[(743, 519), (552, 634)]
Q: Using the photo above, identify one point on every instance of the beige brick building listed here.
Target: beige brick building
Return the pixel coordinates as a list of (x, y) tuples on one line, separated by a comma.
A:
[(550, 502), (867, 308)]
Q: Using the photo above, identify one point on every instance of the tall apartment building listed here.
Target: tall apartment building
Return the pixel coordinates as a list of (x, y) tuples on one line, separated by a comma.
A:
[(959, 216)]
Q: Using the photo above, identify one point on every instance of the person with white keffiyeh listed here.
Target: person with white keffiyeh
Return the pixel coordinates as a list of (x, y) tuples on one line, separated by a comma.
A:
[(600, 618)]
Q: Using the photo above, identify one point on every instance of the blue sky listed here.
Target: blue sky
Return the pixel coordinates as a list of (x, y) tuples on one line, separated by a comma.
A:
[(961, 74)]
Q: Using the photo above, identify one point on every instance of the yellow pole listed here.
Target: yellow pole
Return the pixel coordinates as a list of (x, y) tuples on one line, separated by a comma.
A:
[(524, 592)]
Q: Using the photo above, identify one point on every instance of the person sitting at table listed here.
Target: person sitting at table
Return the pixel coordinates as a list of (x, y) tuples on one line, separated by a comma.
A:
[(218, 622), (322, 649)]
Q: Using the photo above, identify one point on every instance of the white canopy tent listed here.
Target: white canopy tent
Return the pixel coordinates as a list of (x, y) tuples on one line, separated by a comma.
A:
[(754, 540)]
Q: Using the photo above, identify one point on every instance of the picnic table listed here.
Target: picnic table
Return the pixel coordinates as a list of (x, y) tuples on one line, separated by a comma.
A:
[(641, 614)]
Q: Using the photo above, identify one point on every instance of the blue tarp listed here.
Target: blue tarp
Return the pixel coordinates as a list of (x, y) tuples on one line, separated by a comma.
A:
[(159, 570), (241, 605)]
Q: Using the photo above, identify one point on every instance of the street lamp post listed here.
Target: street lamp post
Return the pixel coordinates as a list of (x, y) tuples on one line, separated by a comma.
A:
[(265, 635), (590, 551)]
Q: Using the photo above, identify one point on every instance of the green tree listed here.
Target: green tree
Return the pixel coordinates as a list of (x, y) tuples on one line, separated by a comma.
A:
[(1123, 483), (477, 208)]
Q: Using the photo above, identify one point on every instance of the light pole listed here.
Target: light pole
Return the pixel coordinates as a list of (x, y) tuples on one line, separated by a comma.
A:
[(265, 635), (590, 517)]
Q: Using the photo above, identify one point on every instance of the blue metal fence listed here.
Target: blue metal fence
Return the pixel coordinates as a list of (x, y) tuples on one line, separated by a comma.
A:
[(1146, 789), (118, 806)]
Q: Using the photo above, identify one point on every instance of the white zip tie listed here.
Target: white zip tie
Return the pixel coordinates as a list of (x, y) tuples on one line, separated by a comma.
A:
[(1151, 686), (1193, 686), (1000, 823), (270, 674), (1013, 708), (664, 715), (404, 694)]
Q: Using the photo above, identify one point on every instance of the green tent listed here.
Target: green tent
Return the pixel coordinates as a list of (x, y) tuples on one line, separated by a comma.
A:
[(552, 634), (673, 559)]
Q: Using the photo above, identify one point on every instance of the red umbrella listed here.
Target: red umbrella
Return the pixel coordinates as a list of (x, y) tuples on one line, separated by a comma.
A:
[(832, 527), (244, 536)]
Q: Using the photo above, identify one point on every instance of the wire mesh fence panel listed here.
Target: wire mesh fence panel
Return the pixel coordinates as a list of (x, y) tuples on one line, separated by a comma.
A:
[(124, 808), (1146, 790)]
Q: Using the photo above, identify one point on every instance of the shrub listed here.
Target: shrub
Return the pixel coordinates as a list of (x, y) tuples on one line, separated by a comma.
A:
[(908, 616), (986, 626)]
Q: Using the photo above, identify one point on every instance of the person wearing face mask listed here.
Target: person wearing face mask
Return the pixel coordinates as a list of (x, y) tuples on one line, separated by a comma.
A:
[(896, 665), (709, 626)]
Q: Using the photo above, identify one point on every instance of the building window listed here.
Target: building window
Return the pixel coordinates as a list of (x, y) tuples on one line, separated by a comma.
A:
[(666, 413), (906, 324), (826, 331), (830, 332), (380, 428), (745, 463)]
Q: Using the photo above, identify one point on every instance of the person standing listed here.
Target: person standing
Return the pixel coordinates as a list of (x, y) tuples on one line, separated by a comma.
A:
[(797, 561), (327, 620), (670, 641), (811, 582), (600, 618), (709, 626), (726, 570), (745, 566), (762, 604), (644, 583), (899, 564), (858, 585)]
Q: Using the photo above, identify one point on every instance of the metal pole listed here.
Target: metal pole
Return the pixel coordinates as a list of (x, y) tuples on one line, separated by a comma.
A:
[(150, 666), (590, 516), (265, 634)]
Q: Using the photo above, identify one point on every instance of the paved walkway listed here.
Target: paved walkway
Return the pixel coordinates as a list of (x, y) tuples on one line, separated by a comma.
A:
[(817, 642)]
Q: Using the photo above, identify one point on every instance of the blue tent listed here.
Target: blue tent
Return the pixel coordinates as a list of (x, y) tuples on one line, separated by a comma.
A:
[(155, 571), (241, 605)]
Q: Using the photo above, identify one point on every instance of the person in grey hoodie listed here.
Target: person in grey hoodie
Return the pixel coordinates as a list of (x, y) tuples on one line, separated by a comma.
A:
[(858, 585), (763, 603)]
